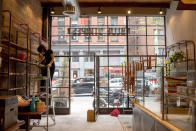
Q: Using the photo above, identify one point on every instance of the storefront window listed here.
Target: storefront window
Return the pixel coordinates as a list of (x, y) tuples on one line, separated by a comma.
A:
[(114, 21), (101, 21), (75, 57), (74, 24), (61, 33)]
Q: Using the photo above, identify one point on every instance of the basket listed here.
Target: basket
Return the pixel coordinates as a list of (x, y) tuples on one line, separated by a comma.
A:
[(40, 106), (22, 102)]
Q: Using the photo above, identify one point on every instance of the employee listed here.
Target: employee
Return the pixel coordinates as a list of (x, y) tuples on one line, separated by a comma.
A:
[(47, 59)]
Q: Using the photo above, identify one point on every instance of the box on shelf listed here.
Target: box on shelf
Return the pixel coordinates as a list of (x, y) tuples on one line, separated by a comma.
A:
[(8, 111)]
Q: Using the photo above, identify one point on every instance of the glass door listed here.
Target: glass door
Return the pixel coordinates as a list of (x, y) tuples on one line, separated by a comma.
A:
[(61, 85)]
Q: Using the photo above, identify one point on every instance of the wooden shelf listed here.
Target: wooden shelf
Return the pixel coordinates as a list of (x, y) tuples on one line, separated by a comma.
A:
[(41, 78), (30, 113), (12, 89), (19, 88), (32, 63), (18, 60), (12, 74), (13, 45), (15, 126), (182, 61)]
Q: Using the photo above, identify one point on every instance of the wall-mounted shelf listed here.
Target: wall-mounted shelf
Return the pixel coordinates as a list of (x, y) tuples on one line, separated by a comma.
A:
[(16, 39)]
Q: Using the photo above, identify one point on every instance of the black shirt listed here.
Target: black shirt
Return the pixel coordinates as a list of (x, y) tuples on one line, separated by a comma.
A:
[(48, 57)]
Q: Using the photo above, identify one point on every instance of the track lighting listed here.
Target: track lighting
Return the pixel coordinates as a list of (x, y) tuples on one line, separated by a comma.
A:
[(129, 12), (161, 12), (52, 11), (99, 10)]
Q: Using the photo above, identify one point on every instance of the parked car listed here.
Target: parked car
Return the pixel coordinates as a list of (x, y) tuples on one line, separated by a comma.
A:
[(83, 85), (115, 83)]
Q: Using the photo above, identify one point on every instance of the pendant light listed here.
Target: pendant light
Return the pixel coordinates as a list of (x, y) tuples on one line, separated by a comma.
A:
[(52, 11), (161, 12), (99, 10)]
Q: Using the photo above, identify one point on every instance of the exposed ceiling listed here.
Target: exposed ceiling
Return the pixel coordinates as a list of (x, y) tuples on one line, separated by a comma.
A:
[(138, 7), (157, 1), (189, 1), (113, 7)]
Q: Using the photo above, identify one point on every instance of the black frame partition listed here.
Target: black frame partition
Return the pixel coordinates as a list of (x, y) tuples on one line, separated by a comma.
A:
[(138, 36)]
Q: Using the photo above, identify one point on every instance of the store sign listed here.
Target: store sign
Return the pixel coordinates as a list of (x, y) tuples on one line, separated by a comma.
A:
[(97, 31)]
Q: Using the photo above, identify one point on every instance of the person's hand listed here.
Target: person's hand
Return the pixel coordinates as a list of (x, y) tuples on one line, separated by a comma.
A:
[(41, 65), (49, 65)]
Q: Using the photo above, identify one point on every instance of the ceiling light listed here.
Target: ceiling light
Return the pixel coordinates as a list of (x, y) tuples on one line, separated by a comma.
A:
[(99, 10), (129, 12), (52, 11), (69, 9), (161, 12)]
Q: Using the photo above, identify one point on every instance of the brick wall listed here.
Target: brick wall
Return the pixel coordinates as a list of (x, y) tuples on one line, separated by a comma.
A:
[(28, 11), (0, 16)]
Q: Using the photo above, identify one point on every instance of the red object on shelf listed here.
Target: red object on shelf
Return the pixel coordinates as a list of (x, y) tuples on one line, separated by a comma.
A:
[(170, 91), (21, 56)]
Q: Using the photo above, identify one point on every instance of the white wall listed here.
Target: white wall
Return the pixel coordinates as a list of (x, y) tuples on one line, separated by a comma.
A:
[(180, 25)]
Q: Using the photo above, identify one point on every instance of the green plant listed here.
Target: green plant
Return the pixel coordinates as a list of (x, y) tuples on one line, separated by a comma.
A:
[(178, 55)]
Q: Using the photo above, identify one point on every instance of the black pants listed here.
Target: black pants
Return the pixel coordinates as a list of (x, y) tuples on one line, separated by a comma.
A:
[(44, 73), (43, 82)]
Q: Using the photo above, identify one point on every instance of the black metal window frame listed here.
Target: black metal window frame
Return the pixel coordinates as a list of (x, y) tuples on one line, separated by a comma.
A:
[(127, 45)]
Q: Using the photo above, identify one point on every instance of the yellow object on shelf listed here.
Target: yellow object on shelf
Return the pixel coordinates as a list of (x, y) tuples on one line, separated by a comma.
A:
[(22, 102), (40, 106), (90, 116)]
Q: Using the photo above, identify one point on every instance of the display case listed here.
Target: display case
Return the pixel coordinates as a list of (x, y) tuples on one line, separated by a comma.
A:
[(172, 90), (180, 85)]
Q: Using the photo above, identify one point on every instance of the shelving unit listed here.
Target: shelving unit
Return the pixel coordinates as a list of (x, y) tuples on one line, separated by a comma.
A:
[(186, 64), (17, 39), (13, 36), (179, 95), (19, 68)]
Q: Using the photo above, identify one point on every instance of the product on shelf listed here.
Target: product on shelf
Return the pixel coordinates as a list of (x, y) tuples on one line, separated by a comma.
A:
[(22, 102)]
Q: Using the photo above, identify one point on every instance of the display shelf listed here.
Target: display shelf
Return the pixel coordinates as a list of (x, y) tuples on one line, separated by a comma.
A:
[(41, 78), (16, 126), (187, 49), (17, 39), (179, 98), (3, 55), (17, 60), (12, 89), (12, 74), (13, 45), (181, 61), (18, 88)]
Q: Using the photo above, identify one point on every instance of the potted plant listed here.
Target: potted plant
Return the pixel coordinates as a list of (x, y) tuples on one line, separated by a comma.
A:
[(177, 56)]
